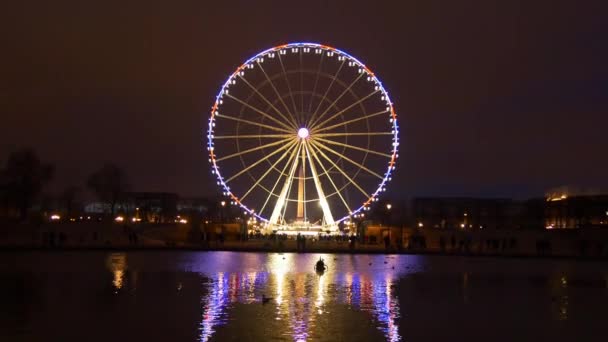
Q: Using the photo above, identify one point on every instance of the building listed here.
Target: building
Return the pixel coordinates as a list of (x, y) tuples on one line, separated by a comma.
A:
[(476, 213), (147, 206), (579, 211)]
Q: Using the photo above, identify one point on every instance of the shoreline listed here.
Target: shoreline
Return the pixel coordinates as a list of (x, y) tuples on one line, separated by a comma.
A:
[(573, 244), (251, 249)]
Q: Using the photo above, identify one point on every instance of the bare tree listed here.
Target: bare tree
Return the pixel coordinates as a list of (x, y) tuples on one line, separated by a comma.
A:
[(25, 175), (69, 199), (109, 184)]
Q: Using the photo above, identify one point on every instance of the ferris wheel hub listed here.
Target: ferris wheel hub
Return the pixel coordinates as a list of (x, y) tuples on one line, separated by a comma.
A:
[(303, 133)]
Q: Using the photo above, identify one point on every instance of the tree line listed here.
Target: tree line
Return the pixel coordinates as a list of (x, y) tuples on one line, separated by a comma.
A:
[(25, 175)]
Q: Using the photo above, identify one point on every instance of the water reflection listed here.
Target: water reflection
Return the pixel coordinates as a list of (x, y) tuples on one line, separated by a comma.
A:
[(218, 296), (560, 297), (358, 295), (304, 301), (214, 306), (117, 264)]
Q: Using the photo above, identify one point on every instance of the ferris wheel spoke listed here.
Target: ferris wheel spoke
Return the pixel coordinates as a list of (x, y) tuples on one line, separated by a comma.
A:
[(328, 177), (264, 114), (331, 142), (255, 136), (268, 102), (291, 117), (289, 186), (233, 118), (257, 148), (329, 219), (351, 134), (363, 167), (271, 192), (281, 203), (344, 110), (291, 145), (339, 170), (350, 86), (257, 162), (344, 123), (331, 83), (293, 101), (301, 83), (314, 87)]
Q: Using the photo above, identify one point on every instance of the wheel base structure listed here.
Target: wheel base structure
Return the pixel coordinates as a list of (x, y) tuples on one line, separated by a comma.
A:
[(302, 228)]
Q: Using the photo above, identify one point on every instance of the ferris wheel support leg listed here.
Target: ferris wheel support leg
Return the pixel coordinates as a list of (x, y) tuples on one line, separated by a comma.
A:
[(327, 216), (276, 212)]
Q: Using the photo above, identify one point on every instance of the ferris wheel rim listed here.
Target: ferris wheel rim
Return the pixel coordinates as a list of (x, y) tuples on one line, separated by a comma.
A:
[(365, 70)]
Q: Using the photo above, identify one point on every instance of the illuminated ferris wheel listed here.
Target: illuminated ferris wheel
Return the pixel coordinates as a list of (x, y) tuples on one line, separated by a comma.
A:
[(302, 136)]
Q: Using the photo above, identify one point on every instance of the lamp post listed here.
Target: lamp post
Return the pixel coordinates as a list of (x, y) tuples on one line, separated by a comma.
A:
[(223, 205), (388, 214), (388, 219)]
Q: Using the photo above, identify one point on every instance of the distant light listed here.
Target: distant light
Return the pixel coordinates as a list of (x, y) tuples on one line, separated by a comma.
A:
[(303, 133), (553, 199), (420, 224), (183, 221), (223, 203), (465, 214), (389, 206), (55, 217), (119, 219), (462, 225)]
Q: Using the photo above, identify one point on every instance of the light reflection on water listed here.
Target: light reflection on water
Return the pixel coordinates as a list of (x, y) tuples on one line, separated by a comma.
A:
[(211, 296), (117, 264), (301, 298)]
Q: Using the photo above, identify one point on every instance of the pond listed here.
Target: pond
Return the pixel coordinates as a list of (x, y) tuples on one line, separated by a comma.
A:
[(217, 296)]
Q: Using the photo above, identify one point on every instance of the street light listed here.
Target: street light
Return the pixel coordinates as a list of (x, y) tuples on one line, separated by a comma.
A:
[(223, 204)]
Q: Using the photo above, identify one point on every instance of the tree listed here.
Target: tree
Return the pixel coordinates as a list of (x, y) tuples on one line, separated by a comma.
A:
[(109, 184), (69, 199), (25, 175)]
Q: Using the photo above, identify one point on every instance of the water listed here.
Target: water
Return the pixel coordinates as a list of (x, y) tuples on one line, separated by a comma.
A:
[(217, 296)]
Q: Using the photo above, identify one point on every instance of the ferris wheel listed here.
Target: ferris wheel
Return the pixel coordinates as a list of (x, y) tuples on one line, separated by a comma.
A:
[(302, 136)]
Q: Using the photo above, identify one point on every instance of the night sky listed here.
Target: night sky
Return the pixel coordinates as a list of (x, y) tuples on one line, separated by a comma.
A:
[(495, 98)]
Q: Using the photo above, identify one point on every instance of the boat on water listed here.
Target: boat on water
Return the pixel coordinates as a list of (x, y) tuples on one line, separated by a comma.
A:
[(320, 266)]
